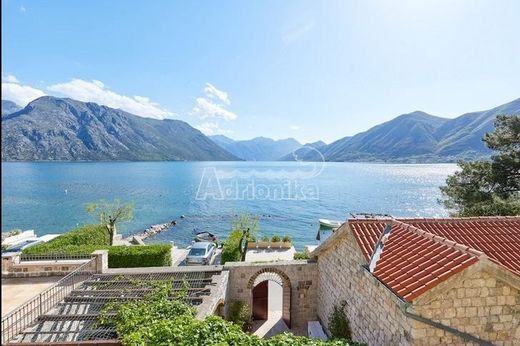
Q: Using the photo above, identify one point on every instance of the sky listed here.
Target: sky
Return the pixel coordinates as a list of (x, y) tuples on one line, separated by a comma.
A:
[(311, 70)]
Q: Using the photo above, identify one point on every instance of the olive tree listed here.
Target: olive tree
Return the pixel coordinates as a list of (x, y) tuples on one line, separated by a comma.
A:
[(111, 213)]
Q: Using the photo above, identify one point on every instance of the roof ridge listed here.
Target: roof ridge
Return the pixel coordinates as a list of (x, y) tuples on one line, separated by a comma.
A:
[(462, 218), (441, 240)]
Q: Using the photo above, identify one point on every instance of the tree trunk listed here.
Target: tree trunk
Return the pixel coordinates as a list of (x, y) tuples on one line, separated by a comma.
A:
[(111, 232)]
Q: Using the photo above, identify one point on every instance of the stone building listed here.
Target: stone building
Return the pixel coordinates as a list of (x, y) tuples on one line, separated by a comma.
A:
[(399, 282), (436, 281)]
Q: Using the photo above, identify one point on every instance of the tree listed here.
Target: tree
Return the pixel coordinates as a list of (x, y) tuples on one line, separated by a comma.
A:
[(248, 225), (111, 213), (489, 187), (243, 228)]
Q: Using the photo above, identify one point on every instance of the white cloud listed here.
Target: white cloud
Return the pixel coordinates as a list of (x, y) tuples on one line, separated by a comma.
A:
[(213, 105), (10, 79), (96, 91), (295, 127), (210, 129), (205, 108), (212, 92), (20, 94)]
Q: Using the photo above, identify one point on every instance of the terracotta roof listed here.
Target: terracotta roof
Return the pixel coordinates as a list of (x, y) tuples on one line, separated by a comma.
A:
[(421, 253)]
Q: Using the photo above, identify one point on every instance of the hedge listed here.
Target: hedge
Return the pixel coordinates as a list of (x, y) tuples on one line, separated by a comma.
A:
[(140, 256), (89, 238)]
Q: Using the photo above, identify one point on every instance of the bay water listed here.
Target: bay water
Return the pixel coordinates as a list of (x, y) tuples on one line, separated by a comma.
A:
[(288, 197)]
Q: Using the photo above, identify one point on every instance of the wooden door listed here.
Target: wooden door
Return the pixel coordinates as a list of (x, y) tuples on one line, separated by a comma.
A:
[(260, 294)]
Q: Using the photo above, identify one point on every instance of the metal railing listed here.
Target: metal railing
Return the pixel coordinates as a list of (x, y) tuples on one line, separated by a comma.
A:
[(54, 257), (20, 318)]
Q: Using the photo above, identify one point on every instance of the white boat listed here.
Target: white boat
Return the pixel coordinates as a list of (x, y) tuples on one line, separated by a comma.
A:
[(330, 223)]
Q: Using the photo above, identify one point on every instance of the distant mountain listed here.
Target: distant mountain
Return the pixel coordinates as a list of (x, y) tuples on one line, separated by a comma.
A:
[(51, 128), (9, 107), (419, 137), (257, 149), (462, 136), (305, 150)]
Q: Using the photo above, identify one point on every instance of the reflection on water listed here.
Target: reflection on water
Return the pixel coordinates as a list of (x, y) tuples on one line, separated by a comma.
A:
[(51, 197)]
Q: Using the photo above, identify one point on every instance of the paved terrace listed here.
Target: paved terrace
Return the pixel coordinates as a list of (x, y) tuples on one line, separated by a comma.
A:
[(17, 291)]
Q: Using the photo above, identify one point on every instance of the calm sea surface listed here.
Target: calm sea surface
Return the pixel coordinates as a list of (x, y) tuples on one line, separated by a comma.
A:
[(288, 197)]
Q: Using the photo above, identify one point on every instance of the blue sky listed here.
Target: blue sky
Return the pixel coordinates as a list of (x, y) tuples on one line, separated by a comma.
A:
[(304, 69)]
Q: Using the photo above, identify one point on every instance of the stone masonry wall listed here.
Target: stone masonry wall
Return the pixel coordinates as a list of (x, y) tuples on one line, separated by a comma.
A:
[(483, 300), (475, 302), (303, 279), (373, 311)]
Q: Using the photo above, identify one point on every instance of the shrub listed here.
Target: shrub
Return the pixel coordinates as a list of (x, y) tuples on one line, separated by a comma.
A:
[(286, 239), (240, 315), (339, 325), (231, 248), (88, 235), (265, 238), (157, 320), (140, 256), (275, 239), (303, 255)]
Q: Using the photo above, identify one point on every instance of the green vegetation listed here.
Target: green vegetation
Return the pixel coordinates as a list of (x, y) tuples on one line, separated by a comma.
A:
[(110, 214), (243, 229), (139, 256), (286, 239), (489, 187), (339, 325), (231, 248), (89, 238), (158, 320), (240, 315), (303, 255), (276, 239), (265, 239)]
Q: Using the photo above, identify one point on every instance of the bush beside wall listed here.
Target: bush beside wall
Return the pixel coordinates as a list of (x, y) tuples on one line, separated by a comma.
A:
[(231, 248)]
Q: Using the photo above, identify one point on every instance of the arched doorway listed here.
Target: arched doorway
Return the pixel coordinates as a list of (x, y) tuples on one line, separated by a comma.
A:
[(263, 283)]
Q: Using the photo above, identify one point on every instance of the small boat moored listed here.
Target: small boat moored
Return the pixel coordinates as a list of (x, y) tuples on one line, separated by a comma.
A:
[(205, 236), (330, 223)]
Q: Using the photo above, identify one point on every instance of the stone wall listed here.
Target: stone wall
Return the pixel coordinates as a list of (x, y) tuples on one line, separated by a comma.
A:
[(12, 267), (482, 300), (373, 311), (301, 274)]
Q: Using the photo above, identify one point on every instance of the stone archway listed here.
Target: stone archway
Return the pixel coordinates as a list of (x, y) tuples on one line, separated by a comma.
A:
[(278, 276)]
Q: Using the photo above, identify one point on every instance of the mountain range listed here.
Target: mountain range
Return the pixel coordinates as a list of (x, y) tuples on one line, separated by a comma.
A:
[(51, 128), (9, 107), (259, 148), (418, 137)]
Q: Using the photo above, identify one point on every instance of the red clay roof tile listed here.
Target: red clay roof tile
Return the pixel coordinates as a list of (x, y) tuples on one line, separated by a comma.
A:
[(421, 253)]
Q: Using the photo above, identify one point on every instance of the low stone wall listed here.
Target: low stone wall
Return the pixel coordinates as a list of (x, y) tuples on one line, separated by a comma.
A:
[(303, 291), (12, 267)]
